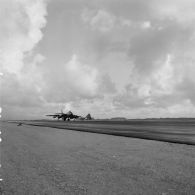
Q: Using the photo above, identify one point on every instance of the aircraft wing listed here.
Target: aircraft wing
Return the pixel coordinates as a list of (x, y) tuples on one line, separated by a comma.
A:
[(75, 116)]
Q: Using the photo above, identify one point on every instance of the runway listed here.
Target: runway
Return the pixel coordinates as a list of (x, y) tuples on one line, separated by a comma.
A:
[(43, 160), (169, 130)]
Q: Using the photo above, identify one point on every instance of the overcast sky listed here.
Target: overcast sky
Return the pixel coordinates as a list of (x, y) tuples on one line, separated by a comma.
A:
[(131, 58)]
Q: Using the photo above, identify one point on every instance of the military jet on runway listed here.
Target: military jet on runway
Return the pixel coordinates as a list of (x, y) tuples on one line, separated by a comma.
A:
[(64, 116)]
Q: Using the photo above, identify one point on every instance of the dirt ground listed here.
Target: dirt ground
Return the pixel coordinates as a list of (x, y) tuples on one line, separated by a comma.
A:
[(43, 160)]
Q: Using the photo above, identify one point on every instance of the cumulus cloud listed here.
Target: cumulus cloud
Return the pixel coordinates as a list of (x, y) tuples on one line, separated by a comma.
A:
[(80, 78), (149, 48), (100, 20), (20, 31), (151, 42), (103, 20), (162, 55), (180, 10), (21, 23), (76, 81), (146, 25), (14, 92)]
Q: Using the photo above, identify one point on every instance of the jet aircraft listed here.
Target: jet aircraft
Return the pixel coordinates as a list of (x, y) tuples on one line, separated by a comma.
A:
[(64, 116)]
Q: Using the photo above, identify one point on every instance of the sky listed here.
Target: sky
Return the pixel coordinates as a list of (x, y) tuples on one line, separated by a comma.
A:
[(129, 58)]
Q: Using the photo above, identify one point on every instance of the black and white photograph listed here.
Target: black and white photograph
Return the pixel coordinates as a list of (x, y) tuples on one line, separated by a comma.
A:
[(97, 97)]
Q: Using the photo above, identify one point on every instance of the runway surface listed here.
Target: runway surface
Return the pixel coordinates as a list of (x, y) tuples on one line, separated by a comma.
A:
[(170, 130), (43, 160)]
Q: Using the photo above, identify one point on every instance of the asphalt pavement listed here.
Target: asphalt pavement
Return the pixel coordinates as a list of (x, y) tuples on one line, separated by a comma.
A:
[(43, 160)]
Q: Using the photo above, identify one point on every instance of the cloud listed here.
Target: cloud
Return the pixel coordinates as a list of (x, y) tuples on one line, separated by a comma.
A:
[(100, 20), (81, 78), (182, 11), (17, 93), (145, 48), (162, 56), (21, 93), (136, 10), (20, 31), (106, 86), (167, 88), (103, 20), (149, 48), (76, 81), (71, 80), (146, 25)]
